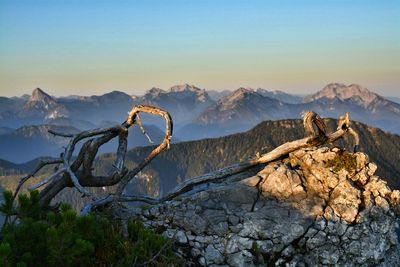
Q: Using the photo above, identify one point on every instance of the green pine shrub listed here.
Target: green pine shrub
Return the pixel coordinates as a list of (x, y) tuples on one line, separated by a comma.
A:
[(33, 237)]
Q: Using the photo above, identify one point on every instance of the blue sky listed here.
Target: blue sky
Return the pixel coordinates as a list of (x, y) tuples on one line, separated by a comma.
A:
[(91, 47)]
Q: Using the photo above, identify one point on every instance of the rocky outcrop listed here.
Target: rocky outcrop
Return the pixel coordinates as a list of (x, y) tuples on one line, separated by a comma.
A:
[(316, 207)]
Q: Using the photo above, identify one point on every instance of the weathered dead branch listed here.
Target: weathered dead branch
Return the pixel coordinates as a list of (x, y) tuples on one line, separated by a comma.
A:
[(314, 139), (77, 171)]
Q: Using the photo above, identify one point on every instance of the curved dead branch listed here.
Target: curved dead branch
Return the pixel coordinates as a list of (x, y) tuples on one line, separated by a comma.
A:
[(313, 139), (77, 171), (310, 119), (133, 116)]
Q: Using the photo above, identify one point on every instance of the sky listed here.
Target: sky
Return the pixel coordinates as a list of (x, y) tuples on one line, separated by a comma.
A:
[(90, 47)]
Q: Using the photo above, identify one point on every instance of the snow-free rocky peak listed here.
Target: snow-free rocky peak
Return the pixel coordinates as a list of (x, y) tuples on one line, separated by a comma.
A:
[(38, 95), (237, 95), (343, 92), (40, 104), (185, 90), (316, 207), (156, 91), (184, 87)]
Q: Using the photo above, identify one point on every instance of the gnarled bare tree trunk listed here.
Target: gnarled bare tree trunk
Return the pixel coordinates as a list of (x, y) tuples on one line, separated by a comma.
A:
[(77, 172)]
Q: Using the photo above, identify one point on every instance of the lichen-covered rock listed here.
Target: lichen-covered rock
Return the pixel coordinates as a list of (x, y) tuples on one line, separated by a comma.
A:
[(317, 207)]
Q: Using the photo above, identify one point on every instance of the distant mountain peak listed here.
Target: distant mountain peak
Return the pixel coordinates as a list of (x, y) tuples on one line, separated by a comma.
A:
[(244, 90), (38, 95), (238, 94), (40, 104), (184, 87), (344, 92), (156, 91), (238, 99)]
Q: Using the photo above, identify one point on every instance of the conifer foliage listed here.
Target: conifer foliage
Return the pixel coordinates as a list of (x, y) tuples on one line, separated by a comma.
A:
[(33, 237)]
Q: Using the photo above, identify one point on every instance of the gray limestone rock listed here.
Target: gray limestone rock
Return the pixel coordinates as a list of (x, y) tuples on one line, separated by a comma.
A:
[(309, 209)]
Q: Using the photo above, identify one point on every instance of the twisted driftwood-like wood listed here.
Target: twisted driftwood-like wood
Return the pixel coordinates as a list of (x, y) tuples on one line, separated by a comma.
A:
[(314, 138), (77, 172)]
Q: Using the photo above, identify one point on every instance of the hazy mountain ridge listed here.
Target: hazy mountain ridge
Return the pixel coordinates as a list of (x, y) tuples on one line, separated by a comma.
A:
[(281, 96), (198, 115), (246, 107), (29, 142)]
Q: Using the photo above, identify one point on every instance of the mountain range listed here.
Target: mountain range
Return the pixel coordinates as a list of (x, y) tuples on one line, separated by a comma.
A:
[(245, 107), (197, 113)]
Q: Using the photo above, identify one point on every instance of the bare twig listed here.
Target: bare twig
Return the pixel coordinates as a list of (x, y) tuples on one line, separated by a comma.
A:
[(47, 180), (41, 164), (161, 147), (121, 152), (55, 133), (139, 122)]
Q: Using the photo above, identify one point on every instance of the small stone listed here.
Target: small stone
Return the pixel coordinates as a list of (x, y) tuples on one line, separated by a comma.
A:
[(372, 168), (197, 245), (242, 258), (213, 255), (202, 261), (382, 203), (195, 252), (205, 239), (251, 181), (233, 220), (181, 237), (265, 246), (146, 213), (236, 229), (320, 224), (154, 211), (238, 243), (220, 229)]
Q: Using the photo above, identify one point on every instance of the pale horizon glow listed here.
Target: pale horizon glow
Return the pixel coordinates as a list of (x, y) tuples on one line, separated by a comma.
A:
[(87, 47)]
